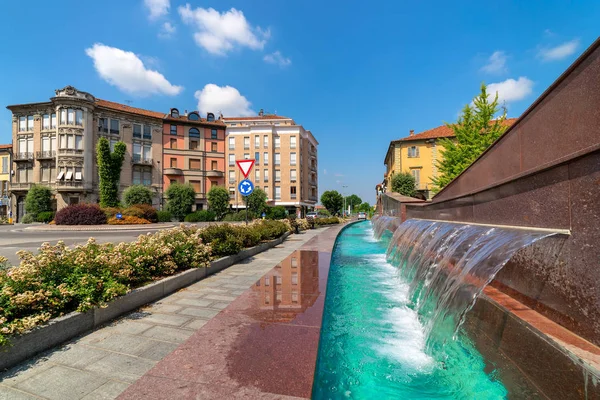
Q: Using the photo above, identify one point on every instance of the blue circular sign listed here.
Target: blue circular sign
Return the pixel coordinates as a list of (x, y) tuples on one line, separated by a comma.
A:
[(119, 216), (246, 187)]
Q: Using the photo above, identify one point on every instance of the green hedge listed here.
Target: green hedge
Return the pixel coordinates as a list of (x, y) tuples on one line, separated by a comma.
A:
[(164, 216)]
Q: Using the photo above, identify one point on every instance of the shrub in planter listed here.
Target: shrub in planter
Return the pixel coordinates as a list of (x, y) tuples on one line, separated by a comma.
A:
[(164, 216), (269, 230), (45, 216), (238, 217), (137, 194), (223, 239), (327, 221), (80, 214), (28, 219), (249, 236), (128, 220), (201, 216)]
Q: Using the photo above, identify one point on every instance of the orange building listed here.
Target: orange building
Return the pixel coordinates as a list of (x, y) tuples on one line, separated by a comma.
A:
[(193, 152)]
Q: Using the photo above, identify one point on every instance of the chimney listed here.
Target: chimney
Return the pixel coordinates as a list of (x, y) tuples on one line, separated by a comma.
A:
[(185, 113), (261, 112), (412, 132)]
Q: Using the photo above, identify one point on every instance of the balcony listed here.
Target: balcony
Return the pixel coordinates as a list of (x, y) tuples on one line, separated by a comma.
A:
[(215, 174), (19, 186), (232, 180), (138, 159), (23, 157), (312, 167), (78, 152), (69, 185), (173, 171), (45, 155)]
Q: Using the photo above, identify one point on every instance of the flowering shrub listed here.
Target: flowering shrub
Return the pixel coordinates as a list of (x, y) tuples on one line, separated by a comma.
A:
[(327, 221), (80, 214), (127, 220)]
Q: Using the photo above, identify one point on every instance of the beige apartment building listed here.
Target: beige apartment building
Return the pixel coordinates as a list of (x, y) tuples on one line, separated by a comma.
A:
[(54, 144), (285, 157)]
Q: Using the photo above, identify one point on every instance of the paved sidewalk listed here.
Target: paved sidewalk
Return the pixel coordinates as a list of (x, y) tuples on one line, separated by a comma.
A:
[(102, 364)]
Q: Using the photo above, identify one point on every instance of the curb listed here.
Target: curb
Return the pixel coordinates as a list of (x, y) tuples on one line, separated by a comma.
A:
[(95, 228), (62, 329)]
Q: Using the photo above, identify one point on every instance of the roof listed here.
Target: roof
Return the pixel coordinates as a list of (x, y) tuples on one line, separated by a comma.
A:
[(255, 118), (403, 199), (201, 121), (443, 132), (132, 110), (5, 146)]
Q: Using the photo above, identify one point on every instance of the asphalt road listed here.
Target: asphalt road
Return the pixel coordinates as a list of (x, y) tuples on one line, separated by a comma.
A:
[(15, 237)]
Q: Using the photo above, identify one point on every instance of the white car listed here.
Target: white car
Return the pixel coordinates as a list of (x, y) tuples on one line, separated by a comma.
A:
[(362, 215), (312, 215)]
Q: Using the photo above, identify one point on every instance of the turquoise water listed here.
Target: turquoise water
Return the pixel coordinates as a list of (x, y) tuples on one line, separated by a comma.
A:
[(373, 343)]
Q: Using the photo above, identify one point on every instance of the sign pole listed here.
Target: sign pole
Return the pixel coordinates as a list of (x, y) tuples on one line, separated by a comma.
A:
[(246, 199)]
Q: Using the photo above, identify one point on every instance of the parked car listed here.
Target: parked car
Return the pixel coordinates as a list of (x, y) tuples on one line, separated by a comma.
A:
[(362, 215), (312, 215)]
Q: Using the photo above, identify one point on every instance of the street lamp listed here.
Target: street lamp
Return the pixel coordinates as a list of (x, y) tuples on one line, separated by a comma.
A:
[(344, 194)]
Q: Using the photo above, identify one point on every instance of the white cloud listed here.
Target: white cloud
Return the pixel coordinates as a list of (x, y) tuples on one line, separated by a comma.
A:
[(126, 71), (559, 52), (496, 63), (511, 90), (224, 99), (324, 172), (167, 30), (157, 8), (220, 33), (277, 58)]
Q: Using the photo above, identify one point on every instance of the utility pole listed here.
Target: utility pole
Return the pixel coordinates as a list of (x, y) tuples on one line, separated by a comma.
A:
[(344, 194)]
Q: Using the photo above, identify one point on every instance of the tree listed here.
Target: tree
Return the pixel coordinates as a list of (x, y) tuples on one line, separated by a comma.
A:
[(109, 169), (332, 200), (180, 199), (404, 183), (38, 200), (137, 194), (364, 207), (353, 201), (277, 212), (257, 201), (218, 201), (475, 130)]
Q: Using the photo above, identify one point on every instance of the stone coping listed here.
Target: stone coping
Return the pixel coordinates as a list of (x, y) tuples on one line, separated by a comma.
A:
[(61, 329), (263, 345)]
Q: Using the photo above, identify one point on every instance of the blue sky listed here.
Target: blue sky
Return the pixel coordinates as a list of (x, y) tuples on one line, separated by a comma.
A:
[(356, 74)]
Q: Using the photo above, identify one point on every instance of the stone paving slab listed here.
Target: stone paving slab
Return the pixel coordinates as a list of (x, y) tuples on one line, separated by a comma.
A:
[(103, 363)]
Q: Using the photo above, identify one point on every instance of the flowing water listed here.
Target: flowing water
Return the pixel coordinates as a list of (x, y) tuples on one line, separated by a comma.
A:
[(395, 304)]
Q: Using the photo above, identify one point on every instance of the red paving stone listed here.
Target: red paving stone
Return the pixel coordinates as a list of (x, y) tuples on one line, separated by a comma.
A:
[(263, 345)]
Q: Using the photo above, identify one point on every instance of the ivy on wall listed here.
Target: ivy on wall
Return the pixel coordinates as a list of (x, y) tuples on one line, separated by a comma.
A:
[(109, 169)]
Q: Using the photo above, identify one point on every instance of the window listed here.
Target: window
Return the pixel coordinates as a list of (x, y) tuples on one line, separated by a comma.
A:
[(195, 165), (147, 132), (5, 165), (45, 173), (266, 142), (246, 143), (213, 147), (214, 183), (103, 125), (193, 116), (277, 192), (210, 117), (173, 143), (231, 176), (196, 186), (112, 144), (266, 175), (231, 143), (413, 152), (231, 193), (294, 278), (25, 173), (257, 175), (46, 121), (277, 175), (266, 158), (214, 165), (416, 173), (63, 116), (256, 158), (257, 141), (292, 142), (174, 113), (246, 156), (172, 181), (293, 192), (79, 142), (231, 159), (292, 158), (277, 159), (79, 117), (266, 189), (214, 134), (137, 131), (142, 176), (173, 163), (194, 133), (53, 120), (277, 142), (293, 175), (114, 126), (22, 124), (194, 144), (70, 116), (173, 129), (30, 122)]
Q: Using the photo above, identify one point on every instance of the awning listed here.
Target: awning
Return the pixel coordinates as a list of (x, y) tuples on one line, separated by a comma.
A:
[(60, 175), (78, 176), (69, 175)]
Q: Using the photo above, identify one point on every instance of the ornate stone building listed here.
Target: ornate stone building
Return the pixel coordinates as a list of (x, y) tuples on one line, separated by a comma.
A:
[(54, 144)]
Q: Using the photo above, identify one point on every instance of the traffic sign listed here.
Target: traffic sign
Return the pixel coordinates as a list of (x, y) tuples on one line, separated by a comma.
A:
[(246, 187), (245, 166)]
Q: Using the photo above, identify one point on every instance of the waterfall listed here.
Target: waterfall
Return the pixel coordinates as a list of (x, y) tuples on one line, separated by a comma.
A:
[(447, 265)]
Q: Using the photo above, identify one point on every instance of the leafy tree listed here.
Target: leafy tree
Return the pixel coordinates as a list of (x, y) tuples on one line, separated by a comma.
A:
[(277, 212), (109, 169), (180, 199), (137, 194), (364, 207), (218, 201), (353, 201), (475, 130), (332, 200), (257, 201), (38, 200), (404, 183)]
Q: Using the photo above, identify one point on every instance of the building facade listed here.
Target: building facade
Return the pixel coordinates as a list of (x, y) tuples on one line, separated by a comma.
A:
[(54, 144), (193, 152), (5, 168), (285, 157)]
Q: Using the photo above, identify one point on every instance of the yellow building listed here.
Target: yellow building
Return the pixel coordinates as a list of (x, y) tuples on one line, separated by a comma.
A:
[(5, 153), (418, 154)]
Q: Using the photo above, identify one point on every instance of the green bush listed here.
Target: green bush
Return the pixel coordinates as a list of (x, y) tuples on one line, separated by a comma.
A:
[(45, 216), (277, 212), (239, 216), (223, 239), (327, 221), (164, 216), (38, 200), (134, 212), (201, 216), (111, 211), (180, 198), (404, 183), (269, 230), (28, 219), (137, 194), (249, 235), (218, 201)]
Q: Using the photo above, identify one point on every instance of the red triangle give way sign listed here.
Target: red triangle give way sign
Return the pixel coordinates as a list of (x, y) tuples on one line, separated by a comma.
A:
[(245, 166)]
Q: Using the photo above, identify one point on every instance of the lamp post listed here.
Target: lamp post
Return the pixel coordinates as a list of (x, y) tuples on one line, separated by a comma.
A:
[(160, 185), (344, 194)]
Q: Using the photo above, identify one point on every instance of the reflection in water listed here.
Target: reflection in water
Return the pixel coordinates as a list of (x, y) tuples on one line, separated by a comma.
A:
[(291, 287)]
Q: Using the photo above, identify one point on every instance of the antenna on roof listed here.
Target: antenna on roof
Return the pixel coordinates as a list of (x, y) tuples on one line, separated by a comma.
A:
[(128, 102)]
